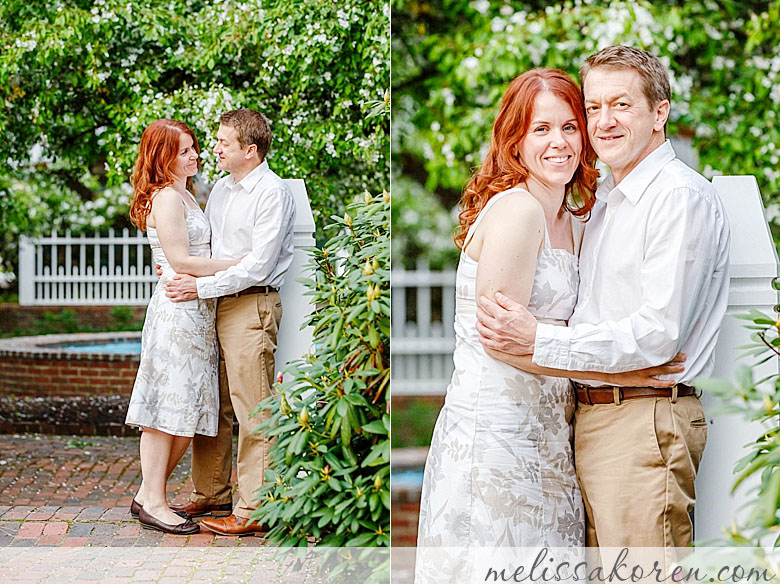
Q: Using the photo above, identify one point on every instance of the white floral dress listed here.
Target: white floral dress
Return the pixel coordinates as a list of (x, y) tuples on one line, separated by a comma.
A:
[(500, 470), (177, 386)]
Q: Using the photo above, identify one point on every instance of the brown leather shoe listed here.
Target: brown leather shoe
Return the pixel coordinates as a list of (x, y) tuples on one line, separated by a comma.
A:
[(234, 525), (147, 521), (135, 507), (190, 510)]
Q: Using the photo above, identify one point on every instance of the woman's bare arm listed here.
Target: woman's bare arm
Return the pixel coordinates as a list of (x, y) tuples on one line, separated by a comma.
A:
[(169, 216), (506, 245)]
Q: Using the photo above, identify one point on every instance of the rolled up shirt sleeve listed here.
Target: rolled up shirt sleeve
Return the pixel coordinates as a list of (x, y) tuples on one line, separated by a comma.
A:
[(272, 225), (680, 256)]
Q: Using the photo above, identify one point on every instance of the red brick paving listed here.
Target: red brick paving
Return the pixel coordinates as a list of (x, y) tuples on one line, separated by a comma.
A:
[(64, 517), (76, 491)]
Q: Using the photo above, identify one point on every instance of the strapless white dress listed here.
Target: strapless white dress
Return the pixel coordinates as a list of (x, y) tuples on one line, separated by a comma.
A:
[(500, 469), (177, 386)]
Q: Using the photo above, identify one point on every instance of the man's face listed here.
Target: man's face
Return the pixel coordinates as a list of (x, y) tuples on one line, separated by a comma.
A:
[(232, 156), (623, 127)]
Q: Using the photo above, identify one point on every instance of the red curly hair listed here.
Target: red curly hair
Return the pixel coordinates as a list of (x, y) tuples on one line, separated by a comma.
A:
[(502, 168), (154, 167)]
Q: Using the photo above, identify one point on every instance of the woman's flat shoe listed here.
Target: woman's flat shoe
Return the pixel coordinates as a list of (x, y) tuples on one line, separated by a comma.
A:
[(149, 522), (135, 507)]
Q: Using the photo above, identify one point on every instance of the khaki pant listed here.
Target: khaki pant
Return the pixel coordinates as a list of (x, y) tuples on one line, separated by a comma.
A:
[(636, 463), (247, 328)]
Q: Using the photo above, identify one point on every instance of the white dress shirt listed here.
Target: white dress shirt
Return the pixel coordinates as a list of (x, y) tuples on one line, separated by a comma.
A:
[(253, 218), (653, 275)]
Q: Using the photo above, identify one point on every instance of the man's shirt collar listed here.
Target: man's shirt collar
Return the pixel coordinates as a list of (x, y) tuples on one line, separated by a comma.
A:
[(634, 185), (251, 179)]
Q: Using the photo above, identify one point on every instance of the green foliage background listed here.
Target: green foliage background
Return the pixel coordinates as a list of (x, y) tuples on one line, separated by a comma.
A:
[(80, 79), (453, 59)]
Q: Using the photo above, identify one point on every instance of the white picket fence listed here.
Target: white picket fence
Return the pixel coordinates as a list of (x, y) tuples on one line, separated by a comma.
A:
[(423, 337), (97, 269)]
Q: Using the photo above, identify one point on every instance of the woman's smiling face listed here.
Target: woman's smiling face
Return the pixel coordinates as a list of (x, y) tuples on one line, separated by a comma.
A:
[(552, 147), (186, 163)]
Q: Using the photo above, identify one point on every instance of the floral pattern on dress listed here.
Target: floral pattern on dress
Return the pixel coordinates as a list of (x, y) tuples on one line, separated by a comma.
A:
[(500, 469), (176, 389)]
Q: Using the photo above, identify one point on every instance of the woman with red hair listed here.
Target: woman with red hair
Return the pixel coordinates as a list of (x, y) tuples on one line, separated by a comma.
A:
[(500, 471), (176, 392)]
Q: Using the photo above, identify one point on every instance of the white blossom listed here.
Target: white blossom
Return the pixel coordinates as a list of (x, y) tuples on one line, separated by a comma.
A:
[(774, 94), (481, 6), (470, 62), (497, 24), (535, 27)]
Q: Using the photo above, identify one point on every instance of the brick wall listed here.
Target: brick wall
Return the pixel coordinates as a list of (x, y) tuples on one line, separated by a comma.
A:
[(35, 377), (405, 496), (403, 523), (39, 366)]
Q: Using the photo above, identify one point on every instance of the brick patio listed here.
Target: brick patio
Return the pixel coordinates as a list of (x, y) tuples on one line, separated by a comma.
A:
[(65, 518), (76, 491)]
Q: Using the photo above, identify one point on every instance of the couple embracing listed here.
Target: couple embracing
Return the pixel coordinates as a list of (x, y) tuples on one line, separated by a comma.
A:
[(618, 287), (210, 331)]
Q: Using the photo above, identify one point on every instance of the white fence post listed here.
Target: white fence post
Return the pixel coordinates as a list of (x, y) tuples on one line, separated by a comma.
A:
[(753, 264), (26, 271), (293, 341)]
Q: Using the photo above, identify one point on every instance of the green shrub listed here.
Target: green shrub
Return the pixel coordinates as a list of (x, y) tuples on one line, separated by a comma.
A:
[(330, 461), (413, 420), (124, 319), (65, 321)]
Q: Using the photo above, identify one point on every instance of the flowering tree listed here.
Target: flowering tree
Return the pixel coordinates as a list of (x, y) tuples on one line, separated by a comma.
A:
[(451, 65), (81, 79)]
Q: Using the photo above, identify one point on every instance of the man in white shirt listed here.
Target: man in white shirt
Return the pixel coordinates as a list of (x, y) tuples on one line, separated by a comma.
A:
[(252, 215), (653, 282)]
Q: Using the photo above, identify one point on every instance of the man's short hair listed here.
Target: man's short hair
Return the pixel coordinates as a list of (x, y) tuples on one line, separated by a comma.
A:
[(655, 77), (252, 128)]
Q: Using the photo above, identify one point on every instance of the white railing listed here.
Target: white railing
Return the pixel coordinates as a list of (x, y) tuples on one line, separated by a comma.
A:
[(423, 335), (98, 269)]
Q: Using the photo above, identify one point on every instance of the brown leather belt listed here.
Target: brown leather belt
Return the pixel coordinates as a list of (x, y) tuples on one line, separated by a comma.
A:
[(253, 290), (608, 394)]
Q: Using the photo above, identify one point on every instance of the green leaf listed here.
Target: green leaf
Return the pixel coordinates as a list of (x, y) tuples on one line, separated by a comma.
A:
[(356, 399), (346, 433), (380, 454), (361, 540), (376, 427), (349, 455)]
